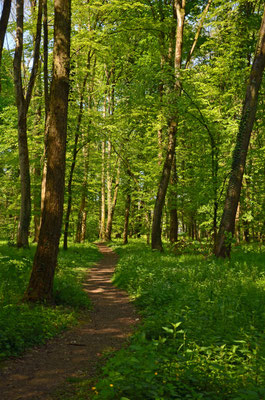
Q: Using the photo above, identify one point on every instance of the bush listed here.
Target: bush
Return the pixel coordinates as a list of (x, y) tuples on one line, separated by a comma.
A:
[(202, 335), (23, 325)]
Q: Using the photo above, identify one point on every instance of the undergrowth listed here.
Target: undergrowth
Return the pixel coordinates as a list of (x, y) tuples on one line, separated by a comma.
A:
[(202, 333), (24, 325)]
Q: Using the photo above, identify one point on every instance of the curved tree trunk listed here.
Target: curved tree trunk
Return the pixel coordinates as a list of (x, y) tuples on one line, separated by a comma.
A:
[(227, 226), (162, 190), (45, 260), (3, 24), (179, 9), (179, 14)]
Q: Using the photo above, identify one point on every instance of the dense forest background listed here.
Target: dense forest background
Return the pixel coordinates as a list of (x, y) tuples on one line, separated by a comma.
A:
[(156, 89), (138, 123)]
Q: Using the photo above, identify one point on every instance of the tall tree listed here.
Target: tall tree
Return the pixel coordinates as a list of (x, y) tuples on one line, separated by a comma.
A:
[(82, 214), (173, 231), (23, 102), (73, 164), (173, 212), (102, 231), (227, 226), (3, 23), (126, 218), (112, 200), (45, 260), (179, 13)]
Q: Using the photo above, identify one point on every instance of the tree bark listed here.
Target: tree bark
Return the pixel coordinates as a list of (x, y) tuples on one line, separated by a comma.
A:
[(227, 226), (102, 233), (126, 218), (179, 7), (173, 212), (109, 189), (3, 24), (37, 173), (247, 208), (45, 57), (71, 175), (112, 205), (22, 107), (197, 35), (214, 165), (45, 260), (148, 219), (82, 215), (237, 224)]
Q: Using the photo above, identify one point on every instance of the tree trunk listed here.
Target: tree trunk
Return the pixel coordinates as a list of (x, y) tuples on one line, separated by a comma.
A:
[(227, 226), (46, 98), (25, 207), (45, 57), (246, 206), (45, 260), (102, 233), (75, 151), (22, 106), (172, 202), (148, 226), (3, 24), (69, 201), (179, 7), (82, 215), (197, 35), (109, 192), (237, 224), (161, 195), (112, 206), (37, 175), (126, 219)]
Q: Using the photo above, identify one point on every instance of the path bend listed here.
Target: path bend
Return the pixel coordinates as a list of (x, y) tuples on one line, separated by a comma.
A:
[(42, 370)]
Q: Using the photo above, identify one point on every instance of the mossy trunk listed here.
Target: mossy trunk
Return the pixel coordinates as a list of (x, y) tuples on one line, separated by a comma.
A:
[(227, 226)]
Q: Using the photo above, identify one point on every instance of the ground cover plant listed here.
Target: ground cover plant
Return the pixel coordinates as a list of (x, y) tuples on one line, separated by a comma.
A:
[(24, 325), (202, 333)]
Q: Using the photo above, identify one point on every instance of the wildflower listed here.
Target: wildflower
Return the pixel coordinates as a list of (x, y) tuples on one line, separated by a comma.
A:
[(93, 388), (111, 385), (155, 373)]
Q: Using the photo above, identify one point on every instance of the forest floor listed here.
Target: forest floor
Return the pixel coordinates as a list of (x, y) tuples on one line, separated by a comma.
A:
[(46, 371)]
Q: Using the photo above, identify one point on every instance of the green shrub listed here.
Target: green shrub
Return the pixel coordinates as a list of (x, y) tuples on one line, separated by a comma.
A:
[(202, 332), (23, 325)]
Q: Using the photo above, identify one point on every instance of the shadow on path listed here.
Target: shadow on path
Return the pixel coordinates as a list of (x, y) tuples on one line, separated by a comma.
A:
[(42, 370)]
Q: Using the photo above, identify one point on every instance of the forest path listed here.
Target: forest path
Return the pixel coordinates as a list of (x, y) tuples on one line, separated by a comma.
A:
[(43, 370)]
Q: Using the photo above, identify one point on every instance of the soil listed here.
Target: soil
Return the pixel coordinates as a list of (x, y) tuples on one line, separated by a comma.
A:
[(44, 370)]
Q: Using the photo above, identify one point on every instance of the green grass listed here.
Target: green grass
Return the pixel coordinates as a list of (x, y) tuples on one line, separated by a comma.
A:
[(24, 325), (202, 335)]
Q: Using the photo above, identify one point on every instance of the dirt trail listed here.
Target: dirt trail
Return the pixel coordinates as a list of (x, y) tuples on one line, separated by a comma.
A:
[(42, 370)]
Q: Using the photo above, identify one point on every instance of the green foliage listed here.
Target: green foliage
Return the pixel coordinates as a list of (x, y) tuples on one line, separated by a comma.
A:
[(131, 42), (202, 333), (23, 325)]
